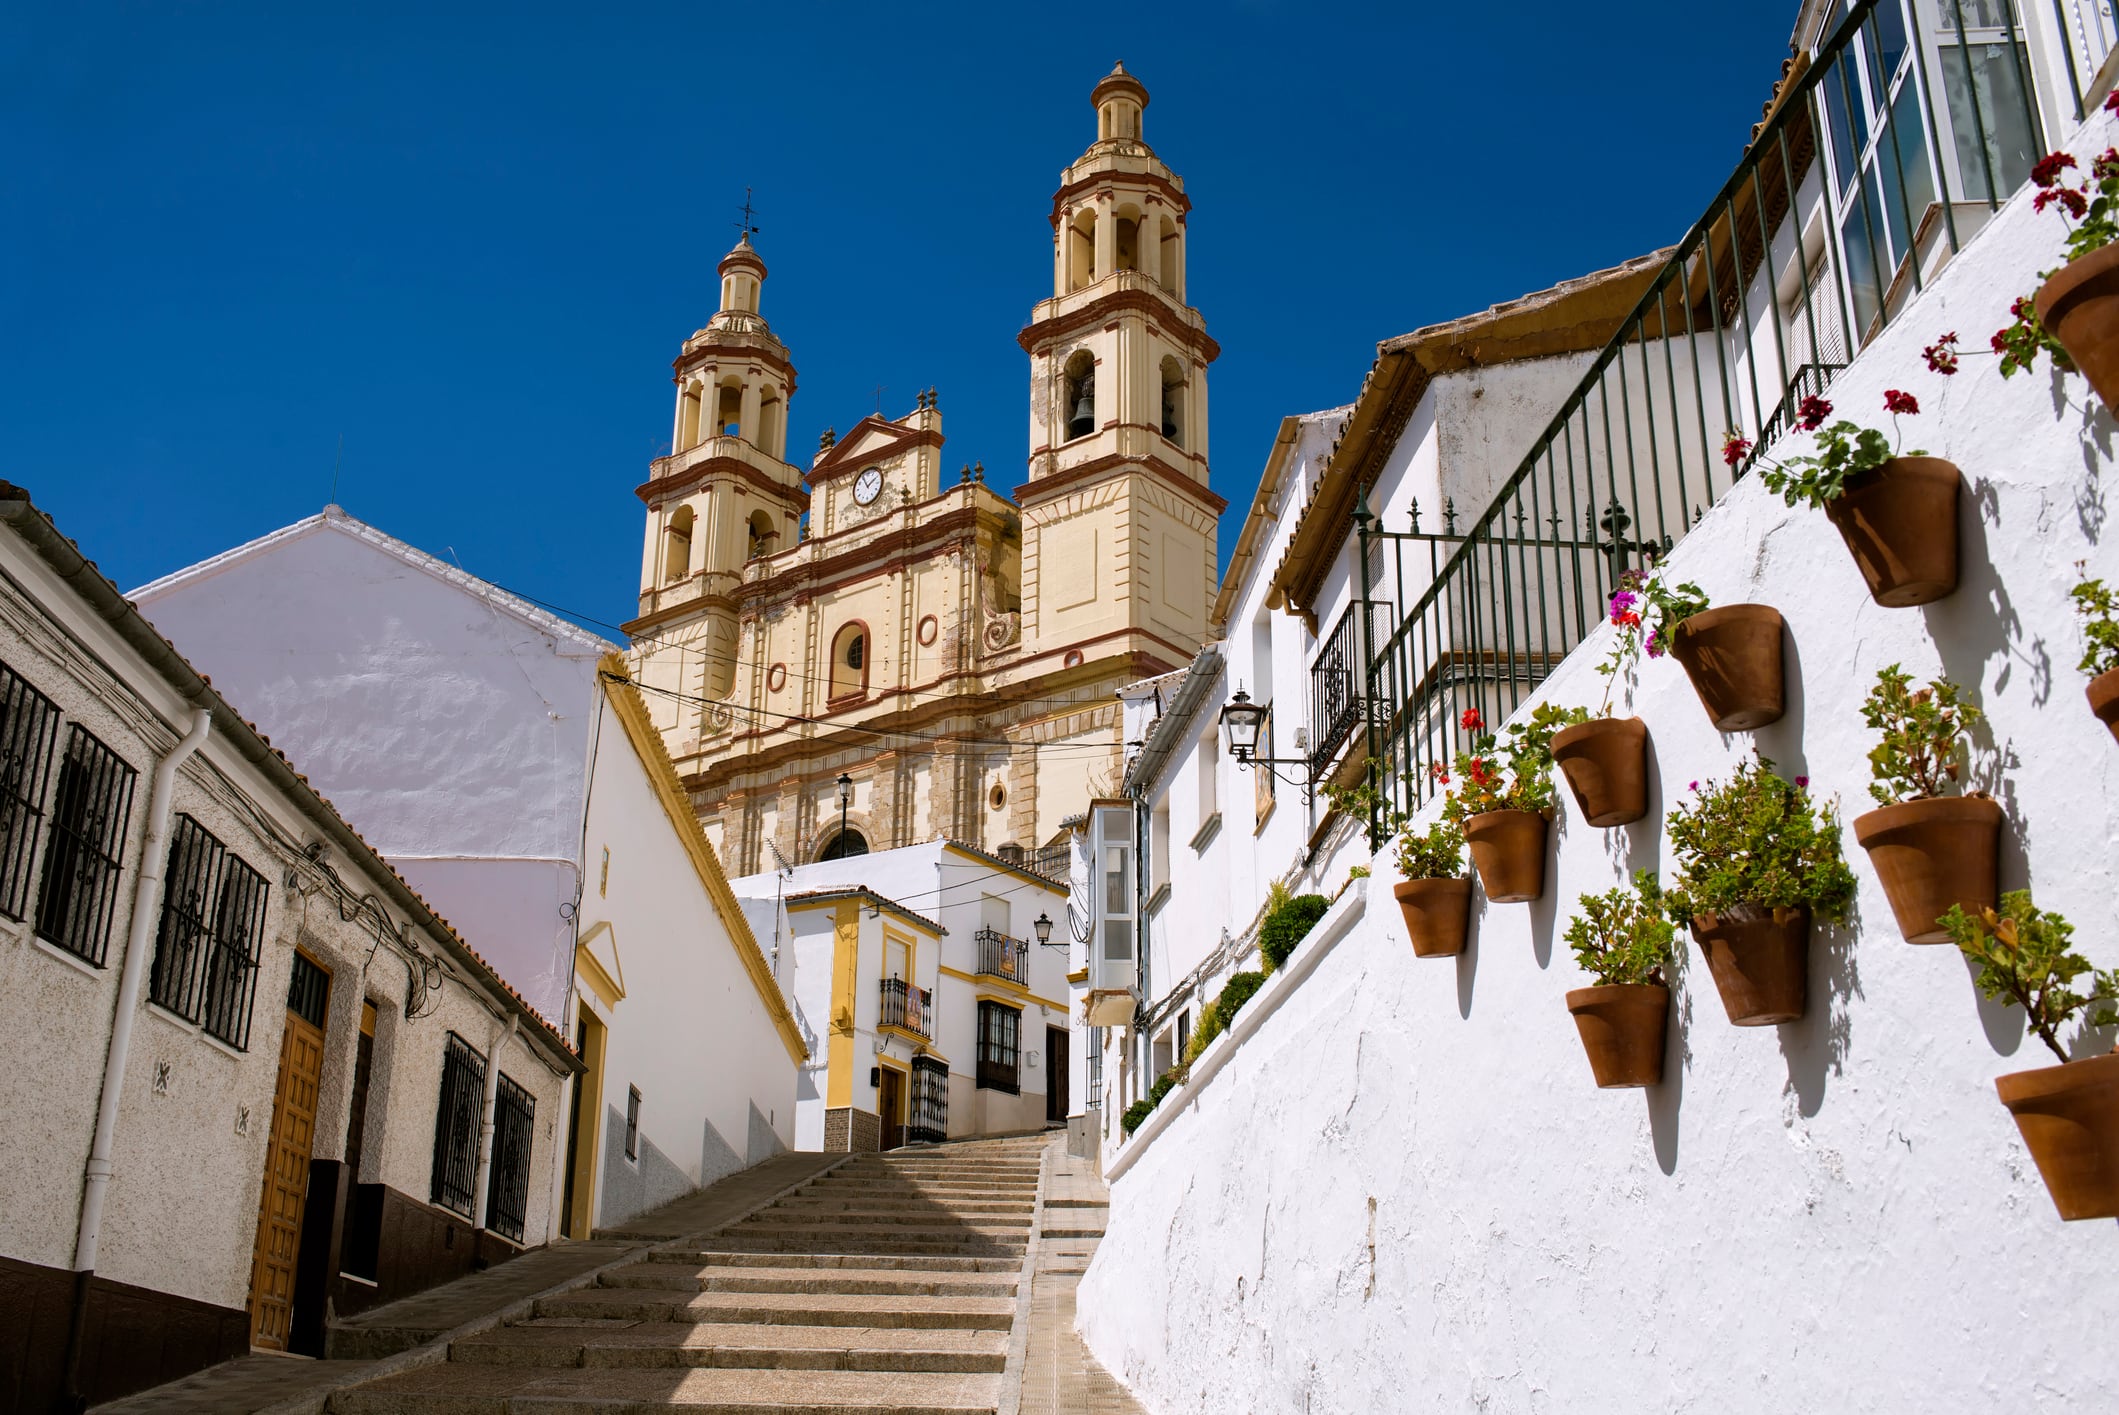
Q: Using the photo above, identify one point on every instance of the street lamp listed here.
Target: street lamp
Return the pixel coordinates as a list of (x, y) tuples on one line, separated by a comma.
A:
[(845, 800), (1241, 719), (1043, 927)]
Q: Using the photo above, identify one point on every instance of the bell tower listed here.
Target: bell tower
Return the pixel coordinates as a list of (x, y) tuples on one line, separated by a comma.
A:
[(724, 496), (1118, 520)]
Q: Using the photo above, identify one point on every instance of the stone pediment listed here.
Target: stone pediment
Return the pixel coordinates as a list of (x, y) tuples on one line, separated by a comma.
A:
[(873, 439)]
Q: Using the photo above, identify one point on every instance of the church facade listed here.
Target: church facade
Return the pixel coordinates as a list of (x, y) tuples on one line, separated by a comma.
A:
[(939, 652)]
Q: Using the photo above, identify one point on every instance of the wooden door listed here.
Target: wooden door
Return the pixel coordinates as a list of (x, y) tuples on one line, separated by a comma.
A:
[(891, 1101), (279, 1236), (1056, 1106)]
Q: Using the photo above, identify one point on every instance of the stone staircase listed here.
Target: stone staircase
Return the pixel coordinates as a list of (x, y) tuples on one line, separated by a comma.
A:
[(888, 1286)]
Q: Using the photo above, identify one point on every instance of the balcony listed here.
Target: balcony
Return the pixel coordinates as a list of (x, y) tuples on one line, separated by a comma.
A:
[(905, 1007), (721, 447), (1336, 698), (1003, 957)]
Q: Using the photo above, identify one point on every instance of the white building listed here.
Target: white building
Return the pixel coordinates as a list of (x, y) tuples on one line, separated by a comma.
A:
[(247, 1071), (496, 755), (944, 1017), (1392, 1185)]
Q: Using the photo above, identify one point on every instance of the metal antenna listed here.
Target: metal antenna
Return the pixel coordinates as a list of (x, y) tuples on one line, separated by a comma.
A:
[(747, 225)]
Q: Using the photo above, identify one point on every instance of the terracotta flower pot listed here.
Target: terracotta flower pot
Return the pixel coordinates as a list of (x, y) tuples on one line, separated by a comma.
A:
[(2079, 307), (1508, 849), (1760, 959), (1605, 761), (1900, 522), (2069, 1116), (1733, 657), (1437, 914), (1931, 854), (2104, 699), (1622, 1030)]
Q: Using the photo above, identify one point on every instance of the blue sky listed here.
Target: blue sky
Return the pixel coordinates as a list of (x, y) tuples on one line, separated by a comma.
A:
[(470, 241)]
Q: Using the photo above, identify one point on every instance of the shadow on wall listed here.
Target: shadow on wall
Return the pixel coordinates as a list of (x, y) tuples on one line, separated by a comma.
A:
[(762, 1143), (632, 1187)]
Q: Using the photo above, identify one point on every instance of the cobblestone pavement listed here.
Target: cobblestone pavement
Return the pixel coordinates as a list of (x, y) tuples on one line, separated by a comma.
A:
[(1060, 1377)]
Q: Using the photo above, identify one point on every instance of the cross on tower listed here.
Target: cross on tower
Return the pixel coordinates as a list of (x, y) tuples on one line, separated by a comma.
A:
[(747, 226)]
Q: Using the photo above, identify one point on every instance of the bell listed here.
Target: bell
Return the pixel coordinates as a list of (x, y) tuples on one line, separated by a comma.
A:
[(1084, 420)]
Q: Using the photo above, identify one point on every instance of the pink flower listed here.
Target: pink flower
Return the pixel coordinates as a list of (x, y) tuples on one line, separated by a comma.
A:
[(1897, 402), (2048, 168), (1438, 772), (1942, 355), (1470, 721), (1734, 448), (1812, 412), (1803, 781), (1655, 648), (1692, 786)]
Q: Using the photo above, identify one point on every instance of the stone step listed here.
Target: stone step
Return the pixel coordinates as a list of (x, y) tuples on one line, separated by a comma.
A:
[(945, 1169), (819, 1309), (671, 1277), (825, 1230), (464, 1389), (884, 1199), (1073, 1232), (709, 1257), (826, 1220), (562, 1343), (906, 1244)]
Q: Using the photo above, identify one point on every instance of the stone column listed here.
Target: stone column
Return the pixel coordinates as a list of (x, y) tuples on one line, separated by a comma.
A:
[(1149, 241), (1106, 237), (752, 397)]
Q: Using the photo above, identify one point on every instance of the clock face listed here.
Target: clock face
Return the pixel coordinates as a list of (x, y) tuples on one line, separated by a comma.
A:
[(868, 486)]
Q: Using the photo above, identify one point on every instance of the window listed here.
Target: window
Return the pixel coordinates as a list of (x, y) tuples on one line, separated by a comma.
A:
[(632, 1122), (206, 949), (1262, 777), (929, 1119), (1115, 906), (677, 546), (1206, 769), (1173, 379), (456, 1123), (1000, 1031), (508, 1183), (80, 885), (29, 724), (849, 661), (1079, 390)]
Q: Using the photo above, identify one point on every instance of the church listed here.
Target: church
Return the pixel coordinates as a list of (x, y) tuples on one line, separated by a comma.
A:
[(870, 652)]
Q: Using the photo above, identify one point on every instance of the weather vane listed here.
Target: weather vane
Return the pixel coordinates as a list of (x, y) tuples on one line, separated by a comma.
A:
[(747, 226)]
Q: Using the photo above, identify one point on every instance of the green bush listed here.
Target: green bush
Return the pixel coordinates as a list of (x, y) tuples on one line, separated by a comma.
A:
[(1211, 1025), (1236, 992), (1135, 1114), (1164, 1084), (1622, 936), (1285, 926)]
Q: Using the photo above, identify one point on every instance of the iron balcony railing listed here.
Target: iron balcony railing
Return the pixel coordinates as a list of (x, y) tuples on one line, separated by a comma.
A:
[(1877, 161), (1002, 957), (1337, 679), (929, 1117), (905, 1007)]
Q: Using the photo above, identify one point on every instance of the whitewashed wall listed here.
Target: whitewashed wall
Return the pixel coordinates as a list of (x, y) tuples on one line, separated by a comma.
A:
[(449, 727), (1404, 1192), (693, 1033)]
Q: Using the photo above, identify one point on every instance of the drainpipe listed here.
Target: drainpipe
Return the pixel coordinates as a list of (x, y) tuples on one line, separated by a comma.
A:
[(154, 859), (485, 1129)]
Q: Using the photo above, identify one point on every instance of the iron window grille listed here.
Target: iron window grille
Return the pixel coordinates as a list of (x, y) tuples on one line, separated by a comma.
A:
[(929, 1120), (632, 1122), (1095, 1053), (1000, 1035), (29, 724), (508, 1186), (77, 896), (206, 949), (456, 1121), (308, 990), (1001, 956)]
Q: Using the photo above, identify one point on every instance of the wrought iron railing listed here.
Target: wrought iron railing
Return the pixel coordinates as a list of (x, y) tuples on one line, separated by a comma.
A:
[(905, 1007), (1337, 701), (1002, 957), (508, 1186), (456, 1123), (1878, 160)]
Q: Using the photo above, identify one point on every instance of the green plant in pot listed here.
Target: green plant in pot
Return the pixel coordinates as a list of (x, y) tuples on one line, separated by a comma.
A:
[(1897, 511), (1503, 800), (1731, 654), (1433, 892), (1605, 758), (2098, 609), (1624, 940), (2073, 319), (1932, 848), (2068, 1114), (1758, 861)]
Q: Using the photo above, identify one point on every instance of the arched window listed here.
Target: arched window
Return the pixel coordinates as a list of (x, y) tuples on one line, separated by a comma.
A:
[(762, 534), (1079, 392), (677, 546), (1081, 251), (728, 411), (688, 418), (1173, 401), (849, 661), (843, 844), (1171, 260), (768, 439), (1125, 253)]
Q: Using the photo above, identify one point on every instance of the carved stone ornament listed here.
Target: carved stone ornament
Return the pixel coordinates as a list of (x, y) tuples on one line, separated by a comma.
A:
[(1001, 630)]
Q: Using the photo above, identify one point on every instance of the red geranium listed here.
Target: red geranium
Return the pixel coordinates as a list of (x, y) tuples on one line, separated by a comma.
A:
[(1735, 448), (1942, 354), (2048, 168), (1471, 721), (1812, 412), (1897, 402)]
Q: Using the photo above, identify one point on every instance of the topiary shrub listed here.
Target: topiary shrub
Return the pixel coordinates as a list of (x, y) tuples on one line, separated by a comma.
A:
[(1285, 926), (1236, 992), (1135, 1114), (1211, 1025), (1164, 1084)]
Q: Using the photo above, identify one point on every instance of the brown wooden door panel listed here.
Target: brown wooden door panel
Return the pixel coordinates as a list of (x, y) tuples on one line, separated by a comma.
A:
[(279, 1236), (891, 1102)]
